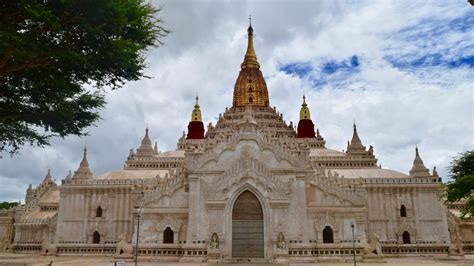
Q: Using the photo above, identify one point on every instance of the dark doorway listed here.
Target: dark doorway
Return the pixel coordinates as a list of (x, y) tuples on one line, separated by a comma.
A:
[(328, 235), (403, 211), (96, 237), (98, 212), (406, 238), (168, 236), (247, 227)]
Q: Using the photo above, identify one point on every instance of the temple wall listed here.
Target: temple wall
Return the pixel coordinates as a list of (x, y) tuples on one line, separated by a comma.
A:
[(78, 214), (6, 228), (424, 224), (31, 234), (467, 232), (165, 211), (431, 221)]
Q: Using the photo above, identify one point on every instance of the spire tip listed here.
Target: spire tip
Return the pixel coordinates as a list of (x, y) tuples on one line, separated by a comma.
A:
[(250, 29)]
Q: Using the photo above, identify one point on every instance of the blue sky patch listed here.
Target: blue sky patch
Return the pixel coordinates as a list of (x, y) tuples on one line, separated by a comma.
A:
[(326, 66), (465, 61), (433, 42), (298, 69), (322, 71), (430, 60), (331, 67)]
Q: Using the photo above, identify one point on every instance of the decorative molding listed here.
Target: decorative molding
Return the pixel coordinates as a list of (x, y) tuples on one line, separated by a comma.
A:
[(168, 221)]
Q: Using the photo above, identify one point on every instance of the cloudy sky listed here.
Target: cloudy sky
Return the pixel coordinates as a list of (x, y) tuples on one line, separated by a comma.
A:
[(403, 70)]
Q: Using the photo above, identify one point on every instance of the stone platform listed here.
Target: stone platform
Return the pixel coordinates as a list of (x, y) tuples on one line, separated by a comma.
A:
[(38, 260)]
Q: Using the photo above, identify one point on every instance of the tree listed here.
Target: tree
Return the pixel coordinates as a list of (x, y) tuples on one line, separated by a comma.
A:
[(461, 187), (7, 205), (58, 57)]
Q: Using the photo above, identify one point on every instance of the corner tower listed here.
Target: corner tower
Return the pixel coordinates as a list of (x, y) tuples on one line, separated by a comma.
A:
[(305, 125), (250, 87), (195, 126)]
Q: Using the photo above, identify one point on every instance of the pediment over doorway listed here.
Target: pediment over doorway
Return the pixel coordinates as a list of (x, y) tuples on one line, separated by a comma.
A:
[(247, 147), (275, 189)]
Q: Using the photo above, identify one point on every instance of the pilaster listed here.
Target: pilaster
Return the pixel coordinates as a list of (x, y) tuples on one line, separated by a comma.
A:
[(193, 207)]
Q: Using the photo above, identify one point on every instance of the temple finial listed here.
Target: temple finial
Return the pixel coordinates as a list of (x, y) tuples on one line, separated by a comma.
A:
[(250, 59), (355, 146), (146, 148), (435, 173), (83, 171), (196, 114), (355, 135), (418, 169), (84, 155), (48, 176), (304, 111)]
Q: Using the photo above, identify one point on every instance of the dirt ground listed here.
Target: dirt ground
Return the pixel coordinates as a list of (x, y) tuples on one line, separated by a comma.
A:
[(37, 260)]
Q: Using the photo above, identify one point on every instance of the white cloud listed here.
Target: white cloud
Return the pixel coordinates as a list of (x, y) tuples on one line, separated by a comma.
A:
[(396, 107)]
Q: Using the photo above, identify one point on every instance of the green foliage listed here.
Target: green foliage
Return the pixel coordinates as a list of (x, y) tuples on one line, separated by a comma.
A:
[(7, 205), (461, 187), (58, 56)]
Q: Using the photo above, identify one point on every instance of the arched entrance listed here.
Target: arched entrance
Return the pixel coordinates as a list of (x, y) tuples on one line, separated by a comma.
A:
[(406, 238), (96, 237), (247, 227), (168, 236), (328, 236)]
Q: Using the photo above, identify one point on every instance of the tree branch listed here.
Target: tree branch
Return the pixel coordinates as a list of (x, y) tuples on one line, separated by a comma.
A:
[(26, 116), (8, 69), (6, 57)]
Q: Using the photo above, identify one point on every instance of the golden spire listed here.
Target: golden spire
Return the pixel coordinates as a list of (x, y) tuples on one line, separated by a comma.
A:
[(196, 115), (304, 112), (250, 59), (250, 87)]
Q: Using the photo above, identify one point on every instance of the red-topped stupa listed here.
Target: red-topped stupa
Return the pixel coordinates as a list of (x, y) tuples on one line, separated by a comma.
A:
[(195, 126), (305, 125)]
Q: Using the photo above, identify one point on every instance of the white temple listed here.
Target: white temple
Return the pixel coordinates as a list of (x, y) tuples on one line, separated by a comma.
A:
[(251, 187)]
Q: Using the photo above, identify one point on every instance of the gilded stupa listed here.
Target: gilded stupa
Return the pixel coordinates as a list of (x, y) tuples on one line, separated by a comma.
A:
[(250, 87)]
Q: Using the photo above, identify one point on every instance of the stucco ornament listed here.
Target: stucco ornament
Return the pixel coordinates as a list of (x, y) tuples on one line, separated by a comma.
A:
[(214, 243), (456, 247), (281, 250), (213, 250), (124, 248), (406, 225), (373, 248), (281, 243), (168, 221)]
